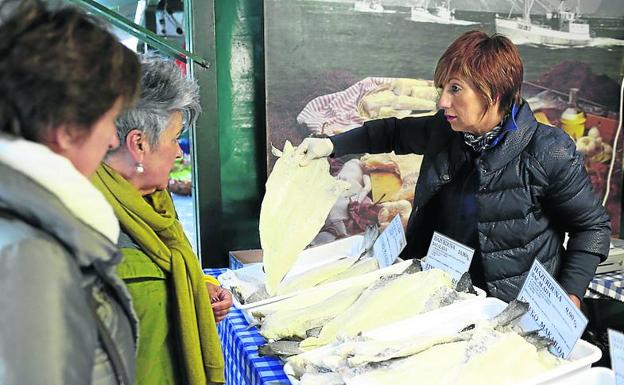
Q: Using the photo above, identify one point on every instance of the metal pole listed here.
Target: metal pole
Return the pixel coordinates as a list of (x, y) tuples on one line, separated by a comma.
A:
[(141, 32), (200, 39)]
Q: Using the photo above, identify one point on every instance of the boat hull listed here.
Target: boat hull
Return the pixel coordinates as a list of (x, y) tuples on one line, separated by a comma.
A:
[(362, 6), (521, 31), (421, 15)]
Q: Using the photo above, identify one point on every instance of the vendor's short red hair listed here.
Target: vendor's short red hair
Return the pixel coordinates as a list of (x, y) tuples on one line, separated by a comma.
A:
[(491, 63)]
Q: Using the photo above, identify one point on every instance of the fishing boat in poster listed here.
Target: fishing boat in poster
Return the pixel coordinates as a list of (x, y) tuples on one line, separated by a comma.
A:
[(564, 27), (440, 14), (370, 6)]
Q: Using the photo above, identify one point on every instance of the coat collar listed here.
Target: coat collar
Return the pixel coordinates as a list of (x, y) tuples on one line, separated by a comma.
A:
[(518, 132), (57, 175), (49, 193)]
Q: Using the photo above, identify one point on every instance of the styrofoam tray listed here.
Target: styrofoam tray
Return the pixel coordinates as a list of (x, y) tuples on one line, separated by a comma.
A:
[(593, 376), (308, 259), (452, 318)]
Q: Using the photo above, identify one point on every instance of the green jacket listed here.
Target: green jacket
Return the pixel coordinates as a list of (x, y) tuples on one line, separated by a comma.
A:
[(152, 298)]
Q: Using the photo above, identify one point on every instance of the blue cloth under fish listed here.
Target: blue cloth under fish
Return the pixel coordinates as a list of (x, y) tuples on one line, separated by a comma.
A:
[(243, 365)]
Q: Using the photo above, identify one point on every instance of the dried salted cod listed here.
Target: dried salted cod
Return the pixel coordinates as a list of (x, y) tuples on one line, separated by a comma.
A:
[(294, 208), (426, 368), (315, 276), (500, 358), (295, 323), (389, 300)]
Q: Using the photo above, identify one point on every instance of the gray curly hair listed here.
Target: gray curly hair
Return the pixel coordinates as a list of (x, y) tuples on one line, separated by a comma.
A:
[(164, 90)]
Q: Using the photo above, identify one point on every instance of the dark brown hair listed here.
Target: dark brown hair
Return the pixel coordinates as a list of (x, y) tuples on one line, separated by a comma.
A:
[(59, 67), (491, 63)]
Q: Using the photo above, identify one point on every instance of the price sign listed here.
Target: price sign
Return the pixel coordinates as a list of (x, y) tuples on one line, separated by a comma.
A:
[(552, 311), (449, 255)]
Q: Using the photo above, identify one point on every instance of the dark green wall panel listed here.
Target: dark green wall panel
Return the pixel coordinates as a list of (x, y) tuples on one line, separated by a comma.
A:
[(240, 79)]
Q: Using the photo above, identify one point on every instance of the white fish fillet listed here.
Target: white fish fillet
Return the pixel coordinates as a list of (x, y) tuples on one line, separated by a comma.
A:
[(503, 359), (294, 209), (315, 276), (291, 323), (427, 368), (400, 298), (488, 356)]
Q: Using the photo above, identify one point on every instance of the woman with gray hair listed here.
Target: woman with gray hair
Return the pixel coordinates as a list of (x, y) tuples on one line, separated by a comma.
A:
[(178, 342)]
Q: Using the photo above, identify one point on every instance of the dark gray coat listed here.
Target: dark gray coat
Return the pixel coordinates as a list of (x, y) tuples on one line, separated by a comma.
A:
[(532, 188), (51, 266)]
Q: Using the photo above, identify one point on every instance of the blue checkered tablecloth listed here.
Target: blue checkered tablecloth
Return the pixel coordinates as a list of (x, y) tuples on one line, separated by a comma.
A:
[(240, 344), (607, 284)]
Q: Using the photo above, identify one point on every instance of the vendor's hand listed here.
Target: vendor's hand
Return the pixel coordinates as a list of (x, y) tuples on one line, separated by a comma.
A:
[(313, 148), (576, 300), (221, 301)]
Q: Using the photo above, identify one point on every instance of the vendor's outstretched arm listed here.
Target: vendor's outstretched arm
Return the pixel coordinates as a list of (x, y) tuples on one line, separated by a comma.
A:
[(403, 136)]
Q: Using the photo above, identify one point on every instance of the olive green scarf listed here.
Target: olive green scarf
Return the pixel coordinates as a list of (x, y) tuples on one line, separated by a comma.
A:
[(152, 223)]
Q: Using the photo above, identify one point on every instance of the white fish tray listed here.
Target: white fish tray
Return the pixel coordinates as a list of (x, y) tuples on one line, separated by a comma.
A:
[(308, 259), (456, 316), (593, 376), (326, 290)]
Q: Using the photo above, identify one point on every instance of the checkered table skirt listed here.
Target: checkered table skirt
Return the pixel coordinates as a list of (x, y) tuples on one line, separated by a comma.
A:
[(240, 344), (607, 284)]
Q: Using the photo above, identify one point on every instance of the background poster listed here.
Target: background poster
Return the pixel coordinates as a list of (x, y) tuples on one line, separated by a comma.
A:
[(331, 65)]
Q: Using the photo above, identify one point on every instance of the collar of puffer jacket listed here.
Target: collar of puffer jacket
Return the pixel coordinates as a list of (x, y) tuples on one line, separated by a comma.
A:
[(514, 141), (59, 177)]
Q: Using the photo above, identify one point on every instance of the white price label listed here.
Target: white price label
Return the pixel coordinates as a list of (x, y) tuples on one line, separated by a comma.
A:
[(449, 255), (390, 243), (552, 311)]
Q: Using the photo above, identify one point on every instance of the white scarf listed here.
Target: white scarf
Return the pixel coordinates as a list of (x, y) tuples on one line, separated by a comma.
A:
[(59, 176)]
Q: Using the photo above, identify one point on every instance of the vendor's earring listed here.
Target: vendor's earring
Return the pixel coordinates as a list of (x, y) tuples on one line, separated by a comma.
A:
[(139, 168)]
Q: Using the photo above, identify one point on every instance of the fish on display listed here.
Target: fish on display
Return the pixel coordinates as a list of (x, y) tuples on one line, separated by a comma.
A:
[(396, 297), (493, 351)]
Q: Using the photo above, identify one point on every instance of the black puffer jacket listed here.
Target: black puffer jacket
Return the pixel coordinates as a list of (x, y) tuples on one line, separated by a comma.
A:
[(532, 188)]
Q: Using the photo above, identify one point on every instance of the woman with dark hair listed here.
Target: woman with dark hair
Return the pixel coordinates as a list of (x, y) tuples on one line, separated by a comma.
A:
[(492, 177), (66, 317)]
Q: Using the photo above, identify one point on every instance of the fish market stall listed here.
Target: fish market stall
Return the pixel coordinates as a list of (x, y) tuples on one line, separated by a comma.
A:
[(349, 312), (244, 364)]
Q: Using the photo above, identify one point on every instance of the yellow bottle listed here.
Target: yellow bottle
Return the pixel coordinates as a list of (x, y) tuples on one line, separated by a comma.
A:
[(573, 118)]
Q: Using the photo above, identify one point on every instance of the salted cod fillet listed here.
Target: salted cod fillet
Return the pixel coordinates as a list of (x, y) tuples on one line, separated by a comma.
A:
[(388, 300), (493, 353), (502, 359), (295, 323), (297, 201), (342, 268), (488, 357), (315, 276)]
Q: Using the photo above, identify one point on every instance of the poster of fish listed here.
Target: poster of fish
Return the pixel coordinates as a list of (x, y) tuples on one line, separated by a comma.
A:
[(332, 65)]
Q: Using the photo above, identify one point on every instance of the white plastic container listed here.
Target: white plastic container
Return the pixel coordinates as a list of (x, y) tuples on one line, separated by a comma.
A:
[(308, 259), (593, 376)]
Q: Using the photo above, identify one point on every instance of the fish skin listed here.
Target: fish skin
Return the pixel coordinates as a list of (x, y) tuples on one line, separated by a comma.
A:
[(540, 342), (314, 332), (370, 236), (511, 314), (415, 267), (464, 285), (280, 349)]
